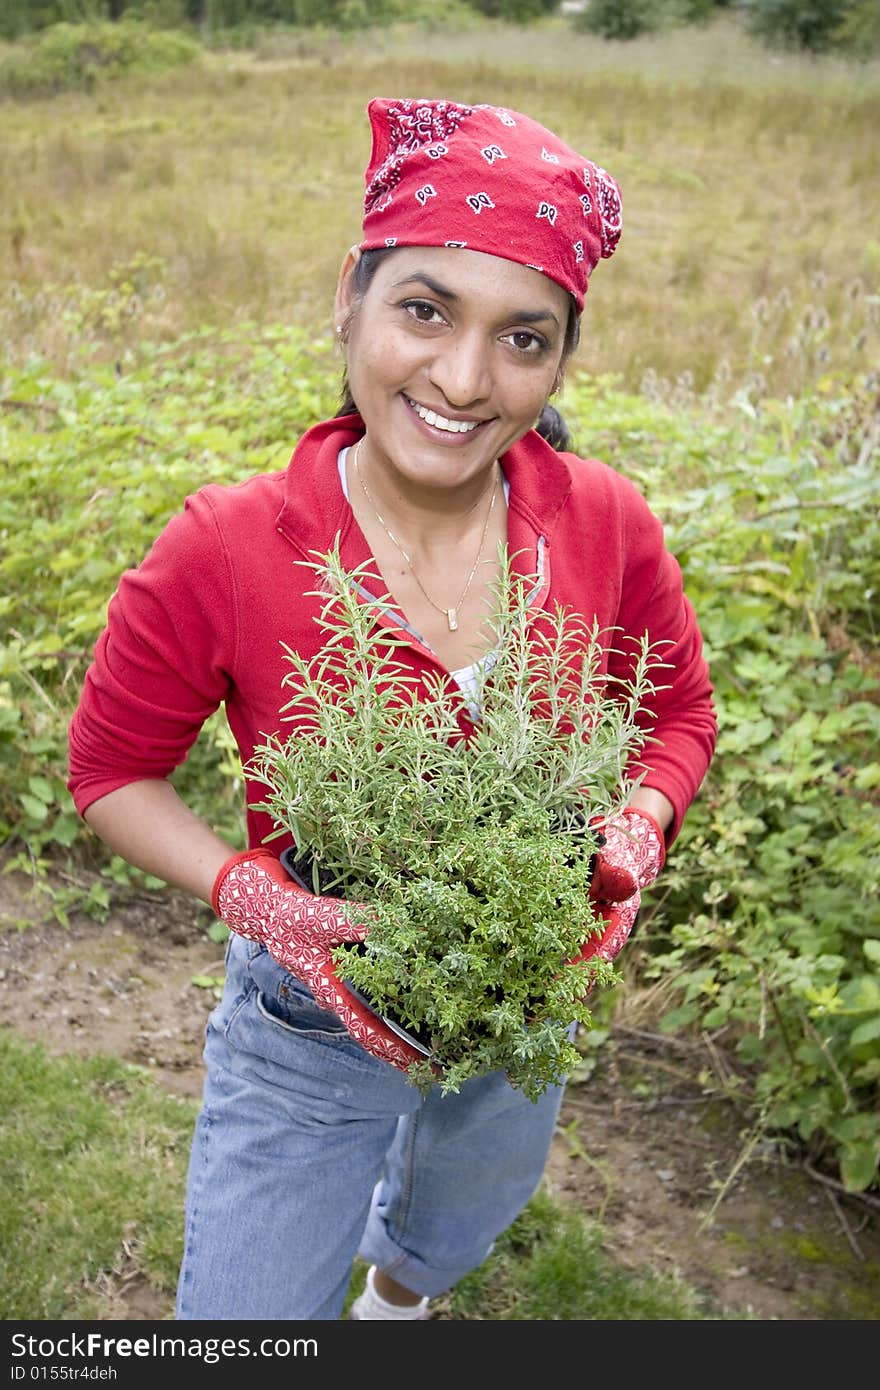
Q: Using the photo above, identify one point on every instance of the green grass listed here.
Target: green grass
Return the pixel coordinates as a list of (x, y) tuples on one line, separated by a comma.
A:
[(92, 1171), (92, 1165), (550, 1265)]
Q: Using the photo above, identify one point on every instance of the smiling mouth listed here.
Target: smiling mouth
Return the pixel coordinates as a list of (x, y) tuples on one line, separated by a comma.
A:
[(440, 422)]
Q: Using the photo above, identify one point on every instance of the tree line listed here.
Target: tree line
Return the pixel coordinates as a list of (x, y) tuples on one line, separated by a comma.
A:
[(813, 25)]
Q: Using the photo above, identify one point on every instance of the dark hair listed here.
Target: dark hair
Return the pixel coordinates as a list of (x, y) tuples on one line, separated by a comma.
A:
[(550, 424), (552, 427)]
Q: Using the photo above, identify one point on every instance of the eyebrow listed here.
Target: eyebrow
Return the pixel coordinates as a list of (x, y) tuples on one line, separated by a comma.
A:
[(522, 316)]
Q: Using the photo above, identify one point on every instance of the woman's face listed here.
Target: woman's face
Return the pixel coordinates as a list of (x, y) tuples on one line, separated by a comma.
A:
[(451, 356)]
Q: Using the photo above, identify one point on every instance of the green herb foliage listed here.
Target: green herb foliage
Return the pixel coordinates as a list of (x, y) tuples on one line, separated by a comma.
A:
[(472, 852)]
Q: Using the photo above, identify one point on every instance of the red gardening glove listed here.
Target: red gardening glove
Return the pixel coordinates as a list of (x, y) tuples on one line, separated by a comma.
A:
[(256, 898), (630, 859)]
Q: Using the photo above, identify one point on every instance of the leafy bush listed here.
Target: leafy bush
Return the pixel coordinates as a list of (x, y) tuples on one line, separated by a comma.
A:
[(19, 17), (78, 55), (516, 11), (859, 31), (257, 15), (240, 20), (472, 852), (765, 929), (627, 19), (93, 466), (808, 24), (620, 19)]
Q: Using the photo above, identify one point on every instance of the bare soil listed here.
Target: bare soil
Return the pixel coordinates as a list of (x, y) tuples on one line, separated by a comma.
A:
[(645, 1144)]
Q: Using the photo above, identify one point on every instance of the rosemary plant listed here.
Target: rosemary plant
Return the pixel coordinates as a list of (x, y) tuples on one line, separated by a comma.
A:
[(470, 839)]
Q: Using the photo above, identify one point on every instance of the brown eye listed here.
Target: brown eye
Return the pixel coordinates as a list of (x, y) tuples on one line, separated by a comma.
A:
[(527, 342), (422, 311)]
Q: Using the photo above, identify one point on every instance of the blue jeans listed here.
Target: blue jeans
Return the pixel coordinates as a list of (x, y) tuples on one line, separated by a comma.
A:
[(309, 1151)]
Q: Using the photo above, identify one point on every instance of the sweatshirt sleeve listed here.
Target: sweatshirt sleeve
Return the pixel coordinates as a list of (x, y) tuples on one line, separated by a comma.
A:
[(682, 719), (161, 664)]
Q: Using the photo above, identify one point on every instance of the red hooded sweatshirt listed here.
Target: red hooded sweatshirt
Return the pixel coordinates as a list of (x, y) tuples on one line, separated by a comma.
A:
[(202, 620)]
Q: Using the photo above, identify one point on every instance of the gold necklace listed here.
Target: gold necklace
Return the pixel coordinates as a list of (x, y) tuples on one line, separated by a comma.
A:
[(450, 614)]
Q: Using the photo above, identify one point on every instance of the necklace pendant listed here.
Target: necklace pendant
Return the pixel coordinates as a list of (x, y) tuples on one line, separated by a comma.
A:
[(452, 619)]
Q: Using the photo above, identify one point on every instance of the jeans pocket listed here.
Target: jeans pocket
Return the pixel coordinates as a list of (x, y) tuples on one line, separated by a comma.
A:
[(284, 1000)]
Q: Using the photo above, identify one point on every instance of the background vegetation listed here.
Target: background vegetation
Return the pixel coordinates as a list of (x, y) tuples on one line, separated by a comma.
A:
[(236, 21), (814, 25), (170, 238)]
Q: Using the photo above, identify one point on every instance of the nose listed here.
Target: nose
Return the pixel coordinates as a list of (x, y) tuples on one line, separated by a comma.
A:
[(460, 369)]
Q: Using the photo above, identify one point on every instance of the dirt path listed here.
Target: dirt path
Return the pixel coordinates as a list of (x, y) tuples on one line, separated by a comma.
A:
[(642, 1145)]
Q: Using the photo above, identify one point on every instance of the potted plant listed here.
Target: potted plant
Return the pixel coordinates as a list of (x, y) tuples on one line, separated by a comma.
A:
[(464, 838)]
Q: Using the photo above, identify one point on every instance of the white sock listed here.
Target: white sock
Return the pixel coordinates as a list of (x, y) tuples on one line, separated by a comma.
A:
[(371, 1306)]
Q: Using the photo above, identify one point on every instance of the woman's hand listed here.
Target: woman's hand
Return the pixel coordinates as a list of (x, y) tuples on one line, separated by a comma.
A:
[(631, 857), (256, 898), (629, 860)]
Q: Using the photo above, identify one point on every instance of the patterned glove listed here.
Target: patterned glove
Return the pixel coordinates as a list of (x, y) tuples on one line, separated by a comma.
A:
[(256, 898), (630, 859)]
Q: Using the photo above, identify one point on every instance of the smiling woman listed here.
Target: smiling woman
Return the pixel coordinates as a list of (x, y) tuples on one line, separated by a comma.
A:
[(451, 357), (456, 312)]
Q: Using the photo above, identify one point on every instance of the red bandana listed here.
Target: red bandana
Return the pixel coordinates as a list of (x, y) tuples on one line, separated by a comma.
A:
[(491, 180)]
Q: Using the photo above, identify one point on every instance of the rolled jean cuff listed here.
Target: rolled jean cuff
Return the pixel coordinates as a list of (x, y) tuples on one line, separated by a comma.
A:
[(378, 1249)]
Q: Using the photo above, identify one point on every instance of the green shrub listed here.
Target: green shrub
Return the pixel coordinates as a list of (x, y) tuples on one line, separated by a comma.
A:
[(256, 15), (515, 11), (859, 31), (807, 24), (97, 463), (697, 11), (765, 930), (19, 17), (620, 19), (627, 19), (77, 56)]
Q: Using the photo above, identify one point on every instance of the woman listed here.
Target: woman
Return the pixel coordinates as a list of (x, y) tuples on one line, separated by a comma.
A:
[(458, 312)]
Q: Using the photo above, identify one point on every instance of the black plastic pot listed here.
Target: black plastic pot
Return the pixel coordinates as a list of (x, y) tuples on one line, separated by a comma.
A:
[(296, 866)]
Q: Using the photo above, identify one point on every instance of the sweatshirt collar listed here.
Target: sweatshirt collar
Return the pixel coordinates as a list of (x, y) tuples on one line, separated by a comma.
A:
[(315, 510)]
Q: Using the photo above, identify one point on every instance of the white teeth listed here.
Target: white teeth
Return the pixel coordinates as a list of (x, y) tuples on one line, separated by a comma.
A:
[(440, 422)]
